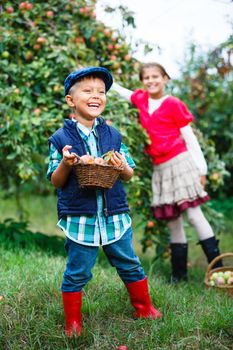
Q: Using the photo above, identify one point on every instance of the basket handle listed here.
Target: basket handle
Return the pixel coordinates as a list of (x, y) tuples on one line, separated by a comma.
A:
[(213, 262)]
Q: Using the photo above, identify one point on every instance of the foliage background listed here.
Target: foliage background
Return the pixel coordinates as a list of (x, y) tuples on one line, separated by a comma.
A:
[(41, 42)]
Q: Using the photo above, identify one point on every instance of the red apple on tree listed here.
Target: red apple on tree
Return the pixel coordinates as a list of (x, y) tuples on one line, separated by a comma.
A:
[(150, 224), (37, 47), (37, 111), (118, 46), (113, 57), (83, 10), (23, 6), (49, 14), (41, 40), (127, 57), (10, 9), (29, 6), (107, 32), (79, 40)]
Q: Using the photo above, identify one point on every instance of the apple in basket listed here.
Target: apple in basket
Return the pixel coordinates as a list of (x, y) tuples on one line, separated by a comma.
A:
[(227, 275), (86, 159), (221, 278), (107, 156), (100, 161), (105, 159)]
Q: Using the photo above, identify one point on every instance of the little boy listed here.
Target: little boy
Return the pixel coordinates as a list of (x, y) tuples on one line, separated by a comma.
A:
[(88, 217)]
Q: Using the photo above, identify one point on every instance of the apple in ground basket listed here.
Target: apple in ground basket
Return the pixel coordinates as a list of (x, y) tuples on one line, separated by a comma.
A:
[(221, 278)]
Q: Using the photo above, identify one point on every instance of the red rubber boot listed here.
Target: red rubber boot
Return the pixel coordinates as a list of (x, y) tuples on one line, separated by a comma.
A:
[(72, 302), (140, 299)]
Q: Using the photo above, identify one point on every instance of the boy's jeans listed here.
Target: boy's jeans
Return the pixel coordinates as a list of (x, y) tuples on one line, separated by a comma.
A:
[(82, 258)]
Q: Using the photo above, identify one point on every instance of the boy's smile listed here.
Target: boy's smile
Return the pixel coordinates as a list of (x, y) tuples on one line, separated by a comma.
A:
[(88, 99)]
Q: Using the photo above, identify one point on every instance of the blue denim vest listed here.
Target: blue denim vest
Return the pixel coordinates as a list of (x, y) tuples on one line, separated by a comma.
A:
[(74, 200)]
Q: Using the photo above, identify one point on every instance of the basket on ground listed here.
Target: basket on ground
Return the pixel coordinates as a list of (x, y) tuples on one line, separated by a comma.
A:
[(96, 176), (210, 270)]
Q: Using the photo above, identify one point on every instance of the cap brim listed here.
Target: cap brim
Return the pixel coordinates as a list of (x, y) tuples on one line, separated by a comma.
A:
[(81, 73)]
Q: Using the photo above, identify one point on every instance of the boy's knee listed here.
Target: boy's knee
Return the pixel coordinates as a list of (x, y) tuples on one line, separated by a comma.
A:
[(75, 282)]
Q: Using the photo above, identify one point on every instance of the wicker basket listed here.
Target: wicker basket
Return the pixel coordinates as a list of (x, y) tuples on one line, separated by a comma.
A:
[(210, 271), (96, 176)]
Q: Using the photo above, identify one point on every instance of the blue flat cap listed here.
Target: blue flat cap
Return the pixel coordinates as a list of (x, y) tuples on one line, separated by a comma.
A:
[(73, 77)]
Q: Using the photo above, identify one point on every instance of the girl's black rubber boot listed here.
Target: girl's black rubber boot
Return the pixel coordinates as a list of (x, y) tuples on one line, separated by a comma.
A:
[(179, 256)]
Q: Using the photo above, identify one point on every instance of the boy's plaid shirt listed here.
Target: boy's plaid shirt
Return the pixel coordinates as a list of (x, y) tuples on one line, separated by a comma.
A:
[(98, 229)]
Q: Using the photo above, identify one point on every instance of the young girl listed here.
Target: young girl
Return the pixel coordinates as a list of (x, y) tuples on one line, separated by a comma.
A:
[(179, 167)]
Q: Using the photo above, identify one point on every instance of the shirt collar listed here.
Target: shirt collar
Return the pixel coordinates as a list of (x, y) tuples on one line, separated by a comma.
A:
[(85, 130)]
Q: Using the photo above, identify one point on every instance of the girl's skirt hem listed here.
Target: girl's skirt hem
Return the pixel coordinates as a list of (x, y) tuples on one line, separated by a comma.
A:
[(176, 187), (173, 211)]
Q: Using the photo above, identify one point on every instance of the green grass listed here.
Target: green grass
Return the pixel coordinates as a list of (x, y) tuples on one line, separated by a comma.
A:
[(32, 314)]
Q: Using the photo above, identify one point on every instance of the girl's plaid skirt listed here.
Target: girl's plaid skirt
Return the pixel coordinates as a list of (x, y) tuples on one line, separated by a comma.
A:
[(176, 187)]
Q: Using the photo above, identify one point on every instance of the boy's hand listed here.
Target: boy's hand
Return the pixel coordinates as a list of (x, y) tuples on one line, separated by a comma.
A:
[(118, 160), (69, 159)]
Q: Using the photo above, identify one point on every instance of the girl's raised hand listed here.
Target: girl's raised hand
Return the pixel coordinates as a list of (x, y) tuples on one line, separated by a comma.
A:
[(69, 158)]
